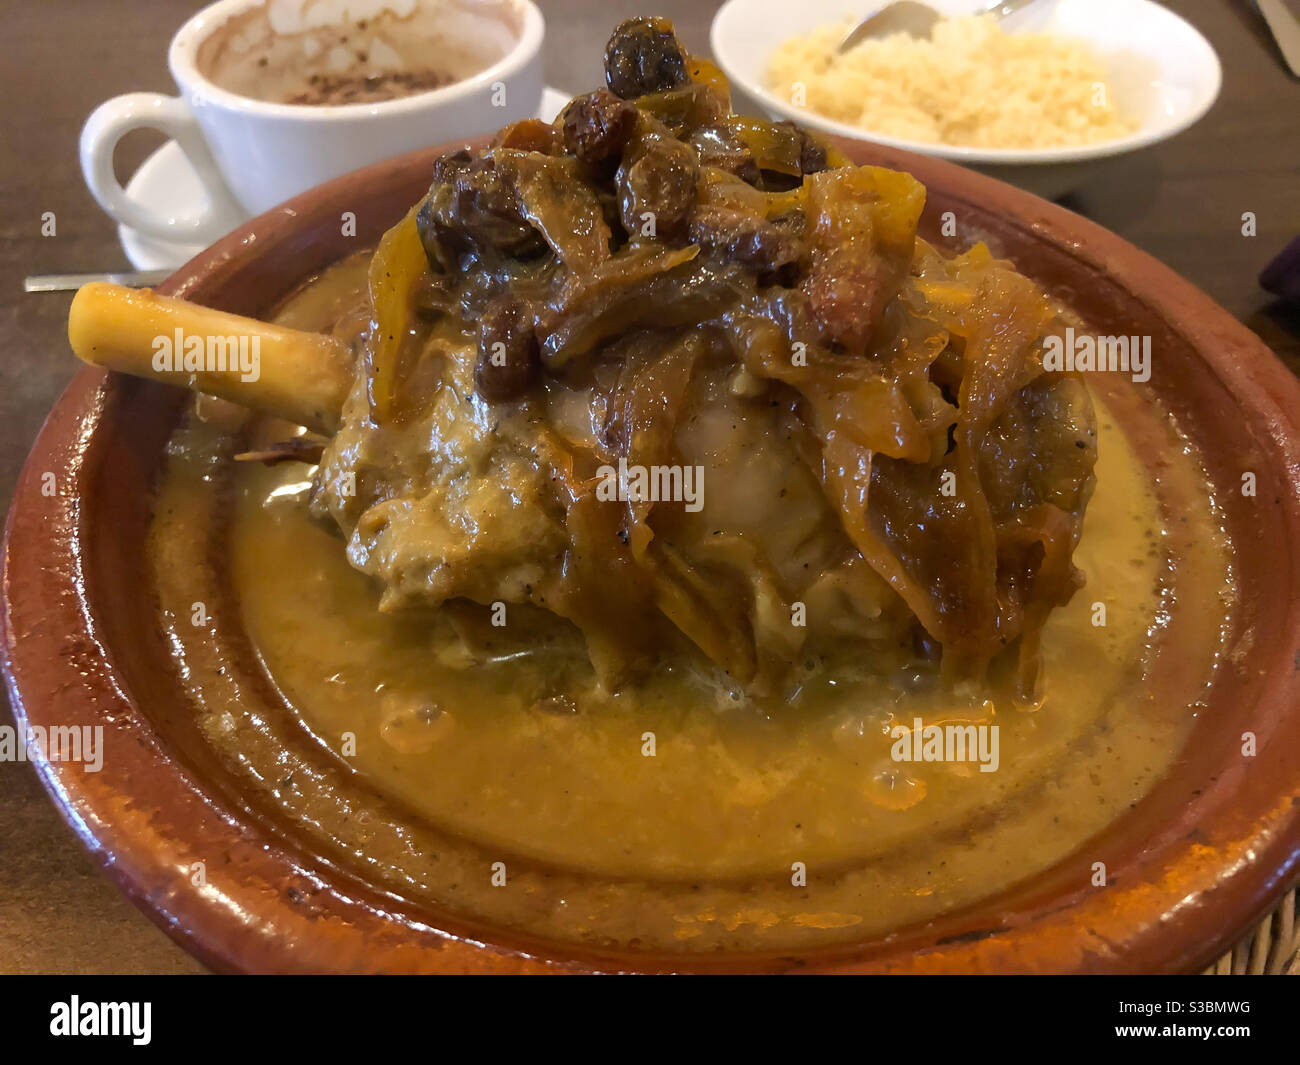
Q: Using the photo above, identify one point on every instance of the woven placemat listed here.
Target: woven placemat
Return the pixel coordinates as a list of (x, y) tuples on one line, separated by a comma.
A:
[(1273, 948)]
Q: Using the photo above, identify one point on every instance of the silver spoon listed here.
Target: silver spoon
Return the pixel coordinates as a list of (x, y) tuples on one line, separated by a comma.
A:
[(915, 20), (69, 282)]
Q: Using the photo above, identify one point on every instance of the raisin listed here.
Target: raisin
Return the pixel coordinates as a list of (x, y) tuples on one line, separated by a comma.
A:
[(597, 126), (508, 356), (644, 56)]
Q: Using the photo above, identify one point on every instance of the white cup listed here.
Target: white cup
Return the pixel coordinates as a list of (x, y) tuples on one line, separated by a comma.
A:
[(251, 155)]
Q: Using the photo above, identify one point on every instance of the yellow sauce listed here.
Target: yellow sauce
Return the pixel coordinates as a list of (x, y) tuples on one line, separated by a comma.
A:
[(394, 757)]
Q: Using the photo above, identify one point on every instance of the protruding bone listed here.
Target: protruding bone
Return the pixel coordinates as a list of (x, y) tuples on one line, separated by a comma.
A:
[(302, 377)]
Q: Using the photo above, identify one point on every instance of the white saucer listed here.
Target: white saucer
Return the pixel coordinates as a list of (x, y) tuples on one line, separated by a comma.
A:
[(166, 181)]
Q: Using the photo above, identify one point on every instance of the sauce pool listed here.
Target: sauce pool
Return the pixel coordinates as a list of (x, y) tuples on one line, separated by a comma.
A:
[(673, 816)]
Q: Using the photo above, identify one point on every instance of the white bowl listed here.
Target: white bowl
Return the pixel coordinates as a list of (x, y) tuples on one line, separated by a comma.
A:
[(1159, 68)]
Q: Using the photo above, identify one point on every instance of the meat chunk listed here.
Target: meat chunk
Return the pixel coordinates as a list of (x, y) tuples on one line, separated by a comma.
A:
[(661, 285), (863, 231), (473, 206), (743, 237), (719, 146), (656, 186)]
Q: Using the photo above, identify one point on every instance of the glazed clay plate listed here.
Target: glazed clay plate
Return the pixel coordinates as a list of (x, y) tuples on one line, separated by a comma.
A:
[(1189, 868)]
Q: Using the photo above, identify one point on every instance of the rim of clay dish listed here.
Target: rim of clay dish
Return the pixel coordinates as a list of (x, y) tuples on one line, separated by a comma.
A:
[(1189, 869)]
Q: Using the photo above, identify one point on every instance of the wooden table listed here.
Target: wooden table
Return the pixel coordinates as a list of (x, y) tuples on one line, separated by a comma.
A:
[(1182, 201)]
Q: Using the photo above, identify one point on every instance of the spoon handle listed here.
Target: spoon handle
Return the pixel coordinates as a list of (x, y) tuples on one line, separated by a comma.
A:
[(1000, 9)]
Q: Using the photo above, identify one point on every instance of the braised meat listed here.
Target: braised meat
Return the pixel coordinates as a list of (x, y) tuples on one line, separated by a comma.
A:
[(692, 382)]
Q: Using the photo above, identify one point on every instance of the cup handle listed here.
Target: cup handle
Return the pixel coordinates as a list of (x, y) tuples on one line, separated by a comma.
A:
[(170, 115)]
